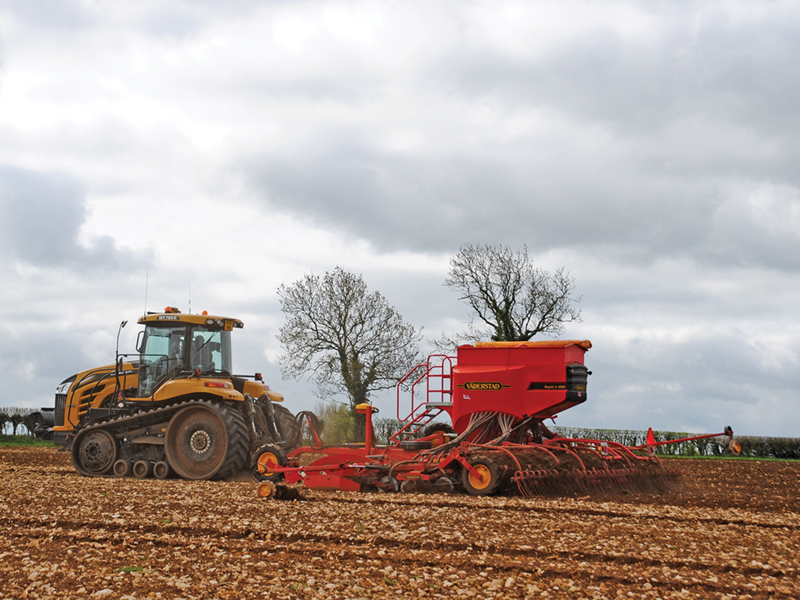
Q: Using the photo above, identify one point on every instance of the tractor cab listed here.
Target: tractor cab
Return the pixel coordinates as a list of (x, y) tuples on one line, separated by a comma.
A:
[(175, 345)]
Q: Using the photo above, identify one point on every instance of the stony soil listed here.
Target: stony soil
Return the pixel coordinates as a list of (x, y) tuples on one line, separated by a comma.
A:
[(732, 531)]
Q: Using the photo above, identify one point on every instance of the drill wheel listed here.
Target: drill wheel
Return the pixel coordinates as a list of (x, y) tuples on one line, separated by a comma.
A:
[(263, 457), (266, 489), (487, 481)]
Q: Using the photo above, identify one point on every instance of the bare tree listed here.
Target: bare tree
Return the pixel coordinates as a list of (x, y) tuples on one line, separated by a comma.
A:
[(348, 340), (17, 417), (510, 298)]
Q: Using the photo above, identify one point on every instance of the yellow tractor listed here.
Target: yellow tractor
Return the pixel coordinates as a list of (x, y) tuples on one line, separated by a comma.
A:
[(175, 409)]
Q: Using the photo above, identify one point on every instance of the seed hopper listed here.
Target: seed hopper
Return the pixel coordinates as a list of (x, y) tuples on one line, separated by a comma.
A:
[(496, 397)]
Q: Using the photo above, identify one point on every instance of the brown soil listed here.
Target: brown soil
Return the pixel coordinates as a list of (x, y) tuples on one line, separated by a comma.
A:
[(731, 531)]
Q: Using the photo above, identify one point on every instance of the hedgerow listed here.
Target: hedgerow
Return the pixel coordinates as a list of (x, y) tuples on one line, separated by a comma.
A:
[(752, 446)]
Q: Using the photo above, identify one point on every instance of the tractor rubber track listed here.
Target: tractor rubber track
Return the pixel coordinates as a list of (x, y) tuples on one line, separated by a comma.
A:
[(121, 424)]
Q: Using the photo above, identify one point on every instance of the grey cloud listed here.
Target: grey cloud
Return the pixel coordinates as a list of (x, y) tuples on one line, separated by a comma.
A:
[(517, 198), (731, 80), (758, 224), (660, 131), (46, 14), (181, 19), (31, 368), (173, 21), (707, 382), (42, 214), (687, 64)]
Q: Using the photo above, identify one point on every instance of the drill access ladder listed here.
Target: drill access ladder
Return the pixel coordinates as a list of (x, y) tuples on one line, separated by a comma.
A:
[(437, 372)]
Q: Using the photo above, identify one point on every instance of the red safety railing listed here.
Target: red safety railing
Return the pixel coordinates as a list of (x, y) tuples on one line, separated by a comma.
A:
[(437, 373)]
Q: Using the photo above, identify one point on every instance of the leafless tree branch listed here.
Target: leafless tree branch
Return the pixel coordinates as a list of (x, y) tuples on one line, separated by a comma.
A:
[(347, 339), (510, 299)]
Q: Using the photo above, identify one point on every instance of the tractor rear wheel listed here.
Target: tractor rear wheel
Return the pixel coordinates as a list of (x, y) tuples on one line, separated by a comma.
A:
[(437, 428), (206, 440), (287, 426), (266, 454), (488, 478), (441, 428)]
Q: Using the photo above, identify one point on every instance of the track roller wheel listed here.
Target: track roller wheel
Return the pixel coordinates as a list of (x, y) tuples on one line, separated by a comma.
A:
[(265, 455), (206, 440), (162, 470), (142, 469), (266, 489), (122, 468), (488, 478), (94, 453)]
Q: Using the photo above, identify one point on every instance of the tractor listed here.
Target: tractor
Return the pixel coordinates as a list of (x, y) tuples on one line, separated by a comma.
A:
[(175, 408)]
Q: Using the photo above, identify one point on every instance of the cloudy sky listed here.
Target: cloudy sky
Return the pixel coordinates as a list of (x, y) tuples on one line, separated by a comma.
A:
[(156, 153)]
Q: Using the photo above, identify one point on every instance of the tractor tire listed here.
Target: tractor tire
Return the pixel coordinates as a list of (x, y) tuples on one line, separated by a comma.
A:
[(489, 479), (260, 420), (437, 428), (207, 440), (94, 452), (287, 426), (268, 453)]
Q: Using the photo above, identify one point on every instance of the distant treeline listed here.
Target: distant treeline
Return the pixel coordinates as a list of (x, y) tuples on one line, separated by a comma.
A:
[(12, 420), (339, 425), (752, 446)]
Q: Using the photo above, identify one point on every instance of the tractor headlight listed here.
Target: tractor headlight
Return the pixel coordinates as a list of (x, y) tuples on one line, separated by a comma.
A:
[(63, 388)]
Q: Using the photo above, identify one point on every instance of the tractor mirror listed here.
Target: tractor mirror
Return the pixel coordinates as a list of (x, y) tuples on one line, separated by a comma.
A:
[(139, 341)]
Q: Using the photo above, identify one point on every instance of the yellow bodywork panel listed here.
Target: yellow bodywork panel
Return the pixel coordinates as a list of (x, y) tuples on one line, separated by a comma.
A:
[(91, 389), (256, 389), (275, 396), (187, 387)]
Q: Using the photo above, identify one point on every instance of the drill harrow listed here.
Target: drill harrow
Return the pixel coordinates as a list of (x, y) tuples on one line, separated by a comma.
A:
[(568, 466)]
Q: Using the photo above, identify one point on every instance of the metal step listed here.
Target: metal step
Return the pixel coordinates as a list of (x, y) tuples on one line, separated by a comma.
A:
[(440, 405)]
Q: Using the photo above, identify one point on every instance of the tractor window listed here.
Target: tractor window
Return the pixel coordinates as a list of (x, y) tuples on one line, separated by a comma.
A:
[(211, 351), (163, 350)]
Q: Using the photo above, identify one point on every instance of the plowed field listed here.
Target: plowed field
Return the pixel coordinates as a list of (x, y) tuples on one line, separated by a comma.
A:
[(732, 531)]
